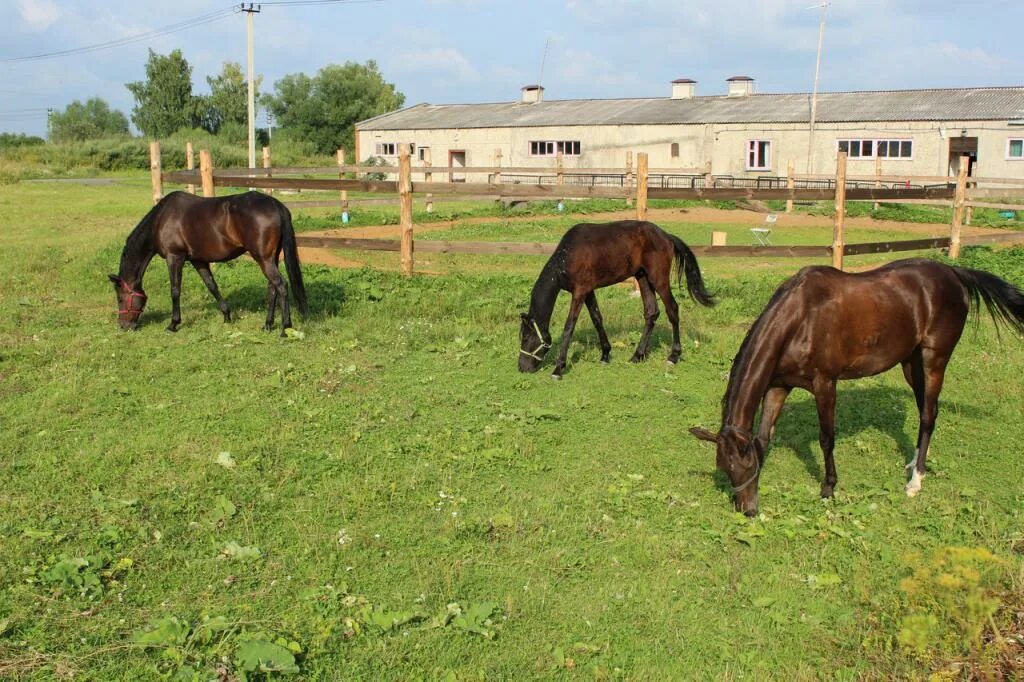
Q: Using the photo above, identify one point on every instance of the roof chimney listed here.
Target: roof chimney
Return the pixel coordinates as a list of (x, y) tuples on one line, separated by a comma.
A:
[(683, 88), (740, 86), (532, 94)]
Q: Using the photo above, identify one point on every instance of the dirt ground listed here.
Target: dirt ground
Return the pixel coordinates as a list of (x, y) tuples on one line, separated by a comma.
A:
[(700, 214)]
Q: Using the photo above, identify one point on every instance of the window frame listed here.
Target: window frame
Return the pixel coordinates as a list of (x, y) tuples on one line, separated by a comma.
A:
[(1009, 143), (556, 147), (753, 147), (382, 147), (900, 140)]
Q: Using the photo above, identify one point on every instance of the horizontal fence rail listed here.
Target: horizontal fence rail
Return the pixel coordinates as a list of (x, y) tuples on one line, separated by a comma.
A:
[(635, 184)]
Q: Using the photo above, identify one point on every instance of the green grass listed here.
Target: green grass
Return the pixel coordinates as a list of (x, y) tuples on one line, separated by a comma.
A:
[(240, 494)]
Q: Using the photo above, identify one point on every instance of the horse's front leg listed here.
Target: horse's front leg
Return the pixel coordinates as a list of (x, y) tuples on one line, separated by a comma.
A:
[(595, 317), (825, 399), (174, 265), (570, 325)]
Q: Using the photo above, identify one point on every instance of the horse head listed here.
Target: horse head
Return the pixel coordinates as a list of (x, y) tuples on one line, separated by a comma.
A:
[(533, 345), (740, 455), (131, 301)]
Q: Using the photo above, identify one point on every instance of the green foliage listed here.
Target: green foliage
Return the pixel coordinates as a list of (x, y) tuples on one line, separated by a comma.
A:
[(324, 108), (90, 121), (12, 140), (952, 595), (228, 101), (164, 102)]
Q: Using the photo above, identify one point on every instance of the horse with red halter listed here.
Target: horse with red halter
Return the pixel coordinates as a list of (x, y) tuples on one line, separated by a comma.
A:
[(823, 325), (183, 227), (597, 255)]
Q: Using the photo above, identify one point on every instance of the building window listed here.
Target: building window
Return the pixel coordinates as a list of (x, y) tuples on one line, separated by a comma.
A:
[(895, 149), (759, 154), (1015, 148), (552, 147), (386, 149), (423, 153), (858, 149), (675, 150)]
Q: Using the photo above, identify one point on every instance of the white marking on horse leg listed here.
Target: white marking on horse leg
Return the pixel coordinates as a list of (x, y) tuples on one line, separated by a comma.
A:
[(913, 463), (914, 484)]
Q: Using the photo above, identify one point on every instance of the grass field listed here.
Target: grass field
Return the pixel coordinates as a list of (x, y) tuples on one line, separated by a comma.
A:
[(384, 496)]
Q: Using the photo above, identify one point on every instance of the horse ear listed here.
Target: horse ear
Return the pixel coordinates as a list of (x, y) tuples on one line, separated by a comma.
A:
[(115, 279), (704, 434)]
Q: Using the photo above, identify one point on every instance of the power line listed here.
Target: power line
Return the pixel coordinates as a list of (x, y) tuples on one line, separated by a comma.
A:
[(127, 40), (173, 28)]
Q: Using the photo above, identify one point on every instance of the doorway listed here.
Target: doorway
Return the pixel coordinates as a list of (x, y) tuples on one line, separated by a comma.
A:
[(456, 159), (962, 146)]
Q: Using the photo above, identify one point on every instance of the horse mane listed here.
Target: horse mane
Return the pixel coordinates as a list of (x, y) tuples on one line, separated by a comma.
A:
[(139, 244), (741, 358)]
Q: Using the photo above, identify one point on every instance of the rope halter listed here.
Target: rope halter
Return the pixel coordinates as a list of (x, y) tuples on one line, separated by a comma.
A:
[(544, 345), (132, 295)]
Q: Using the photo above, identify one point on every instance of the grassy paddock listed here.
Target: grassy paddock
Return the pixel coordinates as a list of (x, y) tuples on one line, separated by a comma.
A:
[(384, 496)]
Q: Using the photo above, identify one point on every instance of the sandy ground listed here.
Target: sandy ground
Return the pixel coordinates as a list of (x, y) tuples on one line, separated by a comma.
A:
[(700, 214)]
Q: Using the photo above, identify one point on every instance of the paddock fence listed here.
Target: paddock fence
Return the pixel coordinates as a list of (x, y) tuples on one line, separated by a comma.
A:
[(634, 185)]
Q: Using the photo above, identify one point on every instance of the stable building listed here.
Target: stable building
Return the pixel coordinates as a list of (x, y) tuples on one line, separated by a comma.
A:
[(739, 134)]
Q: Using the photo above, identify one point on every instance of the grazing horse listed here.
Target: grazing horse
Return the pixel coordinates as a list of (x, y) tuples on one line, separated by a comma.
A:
[(183, 227), (823, 325), (593, 256)]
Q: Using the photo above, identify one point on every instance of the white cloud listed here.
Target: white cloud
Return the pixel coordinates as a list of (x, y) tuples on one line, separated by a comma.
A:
[(39, 15), (440, 63)]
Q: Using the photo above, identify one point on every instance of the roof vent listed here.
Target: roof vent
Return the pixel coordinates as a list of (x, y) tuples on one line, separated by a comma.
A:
[(740, 86), (533, 94), (683, 88)]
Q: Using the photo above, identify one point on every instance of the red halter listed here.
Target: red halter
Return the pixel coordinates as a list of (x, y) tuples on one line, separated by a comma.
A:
[(132, 294)]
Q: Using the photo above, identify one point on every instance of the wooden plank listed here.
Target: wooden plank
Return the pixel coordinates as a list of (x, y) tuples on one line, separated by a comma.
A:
[(838, 230), (641, 185), (983, 204), (994, 193), (958, 207), (206, 172), (1001, 238), (405, 207), (388, 186), (894, 246), (155, 175), (520, 191), (486, 248), (311, 242)]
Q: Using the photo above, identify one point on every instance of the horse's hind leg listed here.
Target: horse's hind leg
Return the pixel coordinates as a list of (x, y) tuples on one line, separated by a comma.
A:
[(595, 317), (271, 306), (825, 399), (174, 265), (204, 271), (672, 309), (650, 317), (932, 372), (280, 291)]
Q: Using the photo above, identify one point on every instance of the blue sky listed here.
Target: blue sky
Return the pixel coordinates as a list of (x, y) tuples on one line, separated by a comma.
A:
[(444, 51)]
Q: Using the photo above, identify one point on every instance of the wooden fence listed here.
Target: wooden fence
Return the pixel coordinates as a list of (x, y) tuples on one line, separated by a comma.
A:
[(635, 189)]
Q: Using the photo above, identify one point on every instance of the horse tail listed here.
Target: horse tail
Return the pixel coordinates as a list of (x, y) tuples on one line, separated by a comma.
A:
[(686, 264), (291, 258), (1004, 301)]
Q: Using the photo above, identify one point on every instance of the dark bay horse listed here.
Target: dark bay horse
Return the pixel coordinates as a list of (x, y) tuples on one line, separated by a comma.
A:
[(592, 256), (183, 227), (823, 325)]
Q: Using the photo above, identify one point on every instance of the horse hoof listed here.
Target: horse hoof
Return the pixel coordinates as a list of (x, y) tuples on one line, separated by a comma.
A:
[(172, 328), (556, 377), (636, 358), (670, 362), (827, 491), (268, 327), (606, 361)]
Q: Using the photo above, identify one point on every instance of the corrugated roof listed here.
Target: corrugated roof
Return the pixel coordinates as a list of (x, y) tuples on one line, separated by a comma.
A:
[(959, 104)]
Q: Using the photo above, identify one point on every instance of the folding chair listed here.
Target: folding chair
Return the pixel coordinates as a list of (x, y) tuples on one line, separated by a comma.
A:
[(761, 234)]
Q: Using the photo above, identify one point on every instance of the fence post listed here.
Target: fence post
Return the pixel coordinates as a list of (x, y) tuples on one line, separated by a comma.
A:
[(154, 172), (497, 164), (344, 192), (428, 177), (838, 238), (878, 175), (206, 172), (959, 197), (629, 178), (266, 165), (405, 210), (190, 164), (790, 184), (641, 186)]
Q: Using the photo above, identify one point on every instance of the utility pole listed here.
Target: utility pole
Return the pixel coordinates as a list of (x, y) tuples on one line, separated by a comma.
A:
[(814, 94), (250, 11), (270, 125), (49, 124)]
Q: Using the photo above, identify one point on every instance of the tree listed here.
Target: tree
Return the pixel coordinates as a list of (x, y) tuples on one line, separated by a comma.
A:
[(324, 108), (89, 121), (164, 101), (228, 100)]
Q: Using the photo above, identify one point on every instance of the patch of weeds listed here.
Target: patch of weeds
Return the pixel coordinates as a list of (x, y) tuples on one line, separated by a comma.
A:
[(218, 646), (475, 618)]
